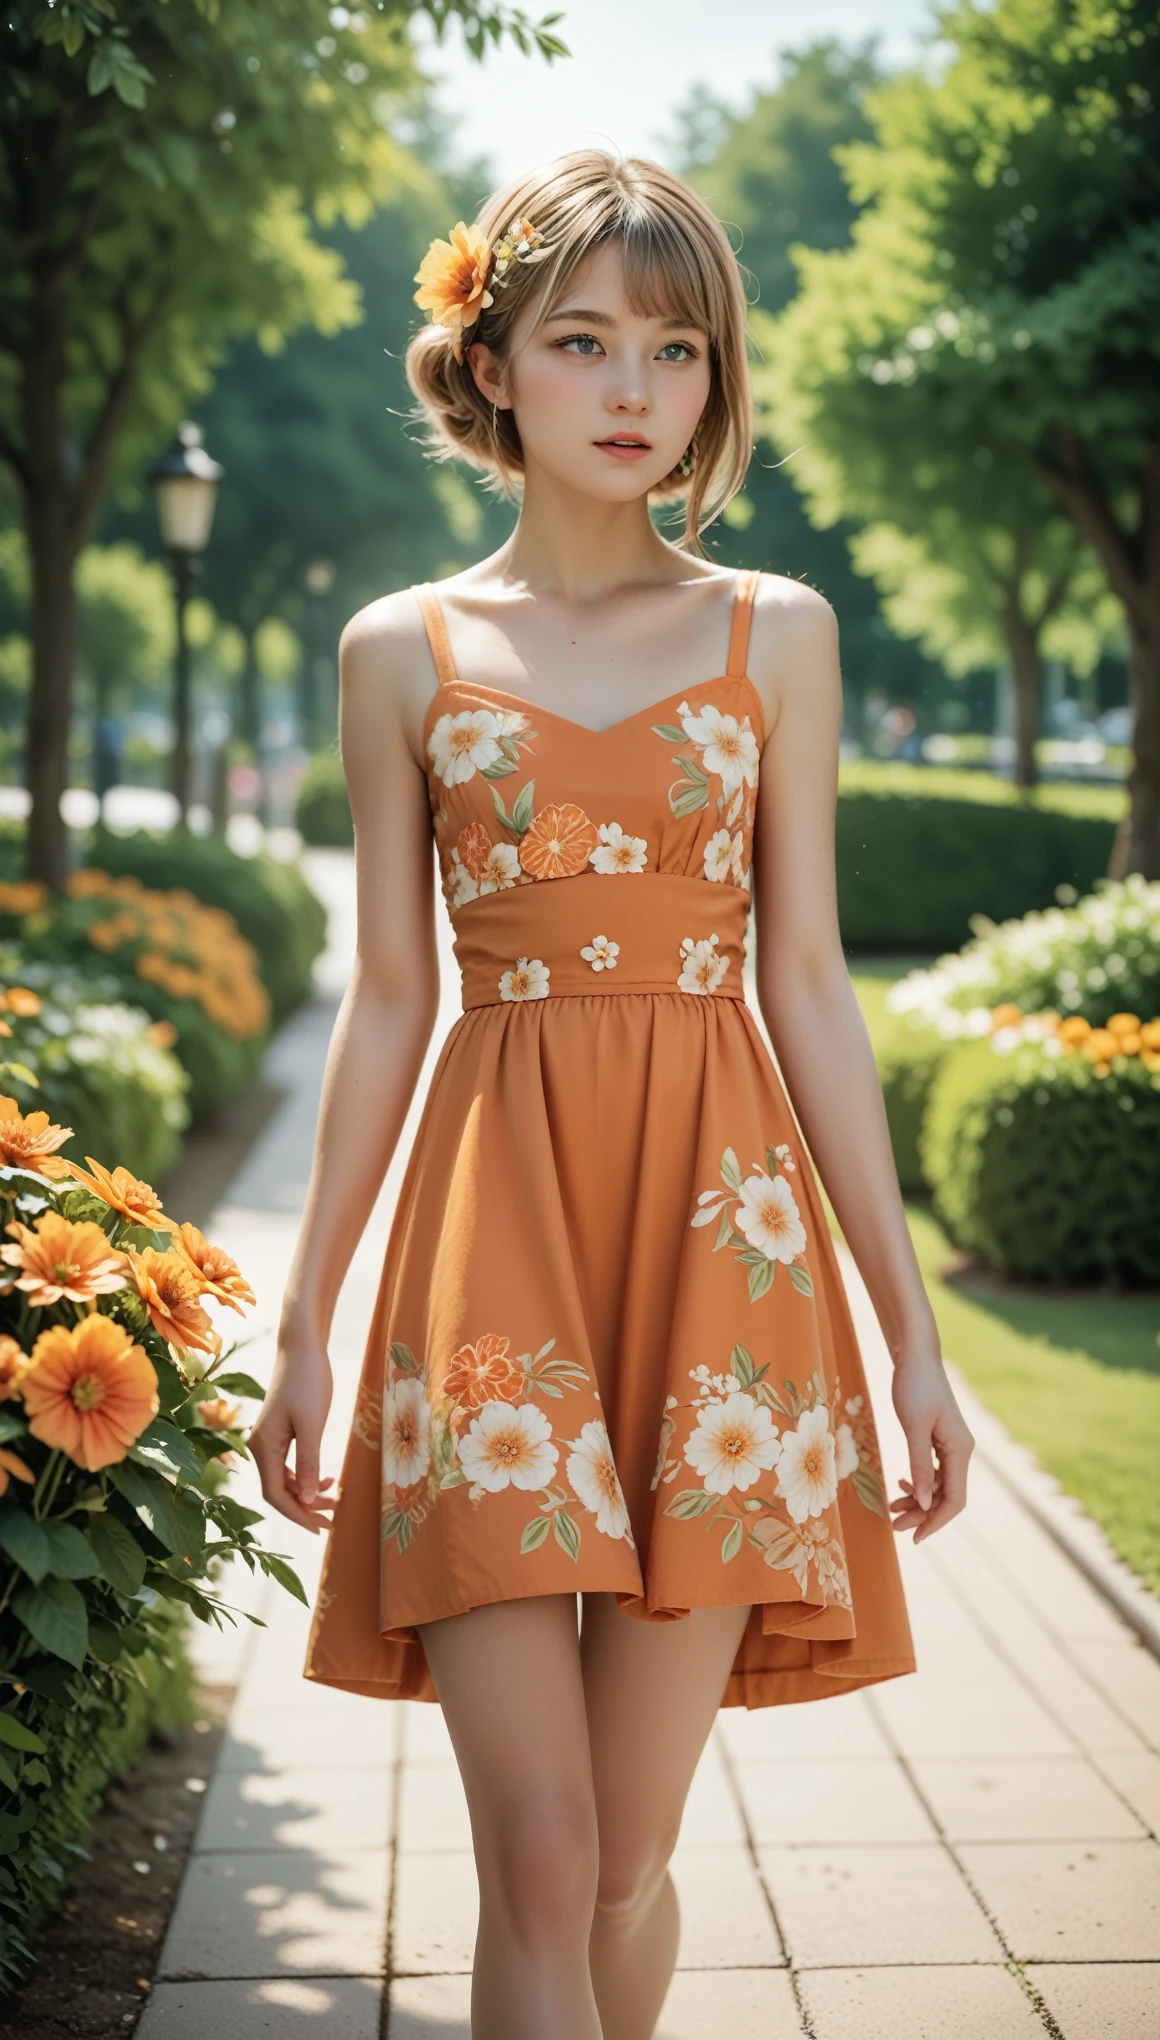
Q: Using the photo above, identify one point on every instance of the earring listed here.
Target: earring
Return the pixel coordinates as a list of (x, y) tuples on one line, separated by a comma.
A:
[(688, 459)]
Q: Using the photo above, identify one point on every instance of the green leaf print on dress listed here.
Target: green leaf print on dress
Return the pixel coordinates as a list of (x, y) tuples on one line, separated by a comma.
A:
[(765, 1227), (478, 1426)]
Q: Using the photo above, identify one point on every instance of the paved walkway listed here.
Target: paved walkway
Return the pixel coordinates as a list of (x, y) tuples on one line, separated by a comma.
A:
[(970, 1852)]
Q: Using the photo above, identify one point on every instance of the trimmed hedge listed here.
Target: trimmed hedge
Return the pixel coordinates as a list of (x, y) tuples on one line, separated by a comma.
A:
[(322, 810), (271, 902), (1048, 1170), (909, 1062), (913, 868)]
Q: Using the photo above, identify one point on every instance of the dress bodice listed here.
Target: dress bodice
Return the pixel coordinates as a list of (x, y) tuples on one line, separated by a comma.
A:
[(520, 795)]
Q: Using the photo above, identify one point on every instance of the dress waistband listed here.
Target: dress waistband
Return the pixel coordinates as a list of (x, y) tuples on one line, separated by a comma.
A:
[(603, 933)]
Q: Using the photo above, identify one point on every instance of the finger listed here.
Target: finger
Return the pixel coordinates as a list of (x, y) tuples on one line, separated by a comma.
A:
[(921, 1464), (269, 1451), (953, 1497)]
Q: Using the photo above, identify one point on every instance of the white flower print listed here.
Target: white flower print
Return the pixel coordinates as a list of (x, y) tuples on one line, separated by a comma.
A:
[(508, 1445), (500, 868), (727, 747), (720, 856), (769, 1217), (807, 1476), (461, 886), (845, 1452), (406, 1433), (616, 851), (528, 979), (790, 1548), (785, 1157), (740, 869), (591, 1470), (601, 953), (733, 1443), (461, 745), (702, 969)]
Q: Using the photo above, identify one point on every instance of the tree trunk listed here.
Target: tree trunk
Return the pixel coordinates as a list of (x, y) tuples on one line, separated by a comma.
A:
[(54, 636), (1026, 683), (1137, 845)]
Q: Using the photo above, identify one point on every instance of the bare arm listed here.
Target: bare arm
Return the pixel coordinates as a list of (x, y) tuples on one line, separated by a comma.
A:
[(380, 1037), (816, 1026)]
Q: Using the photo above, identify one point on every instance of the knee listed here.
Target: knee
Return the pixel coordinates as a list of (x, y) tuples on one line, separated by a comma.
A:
[(544, 1862), (631, 1871)]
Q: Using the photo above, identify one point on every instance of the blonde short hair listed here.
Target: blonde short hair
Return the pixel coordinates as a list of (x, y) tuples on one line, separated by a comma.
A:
[(678, 261)]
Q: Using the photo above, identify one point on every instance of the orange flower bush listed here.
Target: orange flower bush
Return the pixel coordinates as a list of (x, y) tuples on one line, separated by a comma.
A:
[(59, 1259), (1124, 1034), (189, 950), (89, 1391)]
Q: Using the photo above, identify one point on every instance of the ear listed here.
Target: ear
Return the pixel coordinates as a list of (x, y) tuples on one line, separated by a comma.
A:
[(487, 370)]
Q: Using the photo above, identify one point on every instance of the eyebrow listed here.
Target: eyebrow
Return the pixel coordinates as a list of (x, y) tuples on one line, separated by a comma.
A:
[(606, 319)]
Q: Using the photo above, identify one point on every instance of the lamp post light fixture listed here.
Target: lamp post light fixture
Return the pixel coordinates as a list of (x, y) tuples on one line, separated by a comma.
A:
[(185, 484)]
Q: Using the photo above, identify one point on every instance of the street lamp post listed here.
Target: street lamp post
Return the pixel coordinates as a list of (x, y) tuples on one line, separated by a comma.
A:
[(185, 482), (319, 579)]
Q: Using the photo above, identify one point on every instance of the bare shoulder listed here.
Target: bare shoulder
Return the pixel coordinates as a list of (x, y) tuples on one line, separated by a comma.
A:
[(386, 667), (794, 646)]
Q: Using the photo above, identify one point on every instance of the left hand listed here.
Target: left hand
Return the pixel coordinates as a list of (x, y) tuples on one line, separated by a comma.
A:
[(940, 1446)]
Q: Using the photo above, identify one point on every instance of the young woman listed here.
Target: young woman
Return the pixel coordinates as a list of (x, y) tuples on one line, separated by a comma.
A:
[(612, 1355)]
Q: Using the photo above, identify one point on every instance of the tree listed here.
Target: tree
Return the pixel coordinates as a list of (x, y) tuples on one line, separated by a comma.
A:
[(1010, 249), (165, 165), (125, 618)]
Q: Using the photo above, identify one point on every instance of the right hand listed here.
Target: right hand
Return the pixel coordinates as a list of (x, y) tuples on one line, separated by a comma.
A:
[(295, 1412)]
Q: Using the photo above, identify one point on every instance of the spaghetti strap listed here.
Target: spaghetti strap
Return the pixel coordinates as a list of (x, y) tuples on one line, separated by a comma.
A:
[(432, 610), (745, 588)]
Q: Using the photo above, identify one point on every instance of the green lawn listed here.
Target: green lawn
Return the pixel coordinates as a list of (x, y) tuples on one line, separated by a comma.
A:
[(1069, 797), (1076, 1375)]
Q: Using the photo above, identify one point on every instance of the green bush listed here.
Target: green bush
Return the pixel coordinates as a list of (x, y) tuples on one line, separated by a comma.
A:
[(90, 1729), (270, 901), (97, 1065), (913, 869), (322, 810), (1099, 957), (1048, 1170), (909, 1061)]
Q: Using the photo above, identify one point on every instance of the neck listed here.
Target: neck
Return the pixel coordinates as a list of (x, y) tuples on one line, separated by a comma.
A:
[(581, 550)]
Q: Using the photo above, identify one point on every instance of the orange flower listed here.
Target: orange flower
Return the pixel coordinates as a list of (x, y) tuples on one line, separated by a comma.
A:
[(89, 1391), (22, 898), (452, 279), (136, 1201), (87, 884), (29, 1143), (19, 1000), (1150, 1034), (11, 1463), (219, 1414), (168, 1288), (484, 1372), (1100, 1046), (163, 1033), (1005, 1016), (13, 1367), (217, 1274), (1124, 1023), (61, 1259), (1073, 1032), (558, 843), (474, 847)]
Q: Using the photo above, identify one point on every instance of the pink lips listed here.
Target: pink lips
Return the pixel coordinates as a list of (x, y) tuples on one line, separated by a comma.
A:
[(633, 451)]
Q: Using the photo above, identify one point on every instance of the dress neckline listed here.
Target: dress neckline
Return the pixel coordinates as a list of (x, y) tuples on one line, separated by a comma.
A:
[(538, 708)]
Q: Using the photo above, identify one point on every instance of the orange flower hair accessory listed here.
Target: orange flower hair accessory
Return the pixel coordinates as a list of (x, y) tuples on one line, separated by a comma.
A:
[(454, 275)]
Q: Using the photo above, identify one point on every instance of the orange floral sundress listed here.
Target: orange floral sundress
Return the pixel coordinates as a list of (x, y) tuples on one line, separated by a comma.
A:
[(611, 1350)]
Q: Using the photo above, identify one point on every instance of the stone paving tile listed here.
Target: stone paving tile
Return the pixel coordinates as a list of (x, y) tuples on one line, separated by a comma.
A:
[(731, 2004), (285, 1912), (1019, 1550), (432, 1808), (345, 1731), (430, 2008), (436, 1913), (276, 2008), (832, 1799), (918, 2004), (846, 1907), (972, 1709), (841, 1727), (1102, 2000), (1131, 1675), (320, 1810), (1072, 1902), (1138, 1779), (1028, 1799), (725, 1918)]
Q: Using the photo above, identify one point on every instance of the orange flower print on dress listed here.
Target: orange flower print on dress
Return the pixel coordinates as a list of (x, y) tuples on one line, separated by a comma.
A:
[(89, 1391), (558, 842), (483, 1372), (528, 979), (702, 968), (473, 847), (62, 1260), (765, 1225)]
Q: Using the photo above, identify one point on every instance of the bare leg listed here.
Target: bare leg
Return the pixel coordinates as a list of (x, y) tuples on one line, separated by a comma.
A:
[(652, 1690), (509, 1681)]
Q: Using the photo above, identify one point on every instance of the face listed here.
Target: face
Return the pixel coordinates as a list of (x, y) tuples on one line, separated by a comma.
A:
[(605, 400)]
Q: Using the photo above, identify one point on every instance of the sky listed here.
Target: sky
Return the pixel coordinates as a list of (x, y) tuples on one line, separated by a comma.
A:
[(633, 62)]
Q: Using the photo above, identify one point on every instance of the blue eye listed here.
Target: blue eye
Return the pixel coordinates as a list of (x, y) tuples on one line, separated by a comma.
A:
[(588, 338), (687, 350)]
